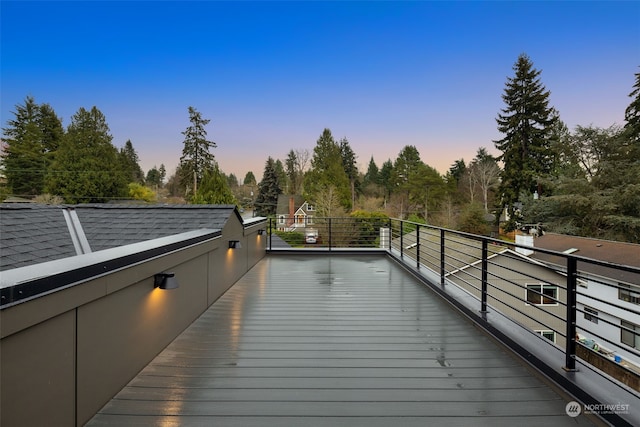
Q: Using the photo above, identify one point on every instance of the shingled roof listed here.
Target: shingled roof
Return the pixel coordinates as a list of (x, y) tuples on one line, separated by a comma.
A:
[(31, 233), (603, 250)]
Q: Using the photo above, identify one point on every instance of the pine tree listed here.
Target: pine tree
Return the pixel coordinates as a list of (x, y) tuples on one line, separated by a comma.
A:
[(86, 167), (632, 114), (350, 167), (372, 175), (386, 178), (214, 189), (268, 190), (196, 157), (130, 163), (249, 179), (153, 177), (327, 170), (527, 124), (30, 140)]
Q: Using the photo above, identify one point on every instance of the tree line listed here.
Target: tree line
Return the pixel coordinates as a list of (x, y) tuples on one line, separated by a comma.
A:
[(584, 181)]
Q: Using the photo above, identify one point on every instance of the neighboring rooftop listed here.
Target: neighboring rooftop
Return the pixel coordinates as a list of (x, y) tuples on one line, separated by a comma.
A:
[(33, 233), (620, 253)]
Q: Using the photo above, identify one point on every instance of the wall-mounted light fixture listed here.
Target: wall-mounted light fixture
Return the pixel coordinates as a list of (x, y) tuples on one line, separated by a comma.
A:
[(165, 281), (235, 244), (261, 231)]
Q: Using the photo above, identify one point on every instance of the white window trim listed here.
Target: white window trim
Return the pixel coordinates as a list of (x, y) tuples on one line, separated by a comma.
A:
[(541, 332), (542, 286)]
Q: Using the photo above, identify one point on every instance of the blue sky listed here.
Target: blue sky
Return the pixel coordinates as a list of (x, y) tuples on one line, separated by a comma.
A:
[(272, 75)]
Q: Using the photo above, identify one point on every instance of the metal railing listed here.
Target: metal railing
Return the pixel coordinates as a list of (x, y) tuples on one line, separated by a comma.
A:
[(549, 293)]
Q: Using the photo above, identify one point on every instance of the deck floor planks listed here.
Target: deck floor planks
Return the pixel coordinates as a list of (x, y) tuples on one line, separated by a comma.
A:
[(333, 341)]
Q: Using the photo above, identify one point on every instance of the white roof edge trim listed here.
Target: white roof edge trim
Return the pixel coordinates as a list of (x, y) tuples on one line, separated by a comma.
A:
[(31, 272)]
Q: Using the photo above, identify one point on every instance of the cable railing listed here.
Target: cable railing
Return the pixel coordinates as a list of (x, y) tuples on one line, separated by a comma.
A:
[(565, 301)]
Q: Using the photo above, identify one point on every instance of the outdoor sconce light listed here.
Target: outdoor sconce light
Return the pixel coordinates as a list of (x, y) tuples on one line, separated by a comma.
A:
[(261, 232), (165, 281), (235, 244)]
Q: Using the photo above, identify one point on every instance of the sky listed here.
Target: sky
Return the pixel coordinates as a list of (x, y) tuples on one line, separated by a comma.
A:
[(271, 76)]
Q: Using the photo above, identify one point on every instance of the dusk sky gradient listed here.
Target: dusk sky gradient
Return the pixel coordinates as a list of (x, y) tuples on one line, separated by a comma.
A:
[(272, 75)]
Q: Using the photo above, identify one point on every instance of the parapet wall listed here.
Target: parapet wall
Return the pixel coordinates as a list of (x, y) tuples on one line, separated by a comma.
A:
[(65, 353)]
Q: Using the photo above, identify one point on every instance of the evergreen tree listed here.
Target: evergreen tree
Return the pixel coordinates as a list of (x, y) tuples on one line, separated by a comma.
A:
[(268, 190), (457, 170), (632, 116), (214, 189), (350, 167), (30, 140), (327, 170), (406, 175), (86, 167), (386, 178), (372, 175), (249, 179), (130, 163), (155, 177), (295, 167), (280, 172), (527, 124), (232, 180), (292, 173), (196, 157)]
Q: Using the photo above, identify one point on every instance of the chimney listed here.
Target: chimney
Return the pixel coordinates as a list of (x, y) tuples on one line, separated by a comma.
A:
[(292, 211)]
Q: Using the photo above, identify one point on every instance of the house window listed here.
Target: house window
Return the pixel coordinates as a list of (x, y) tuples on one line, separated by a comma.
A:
[(541, 294), (310, 219), (628, 294), (590, 314), (309, 207), (281, 219), (550, 335), (629, 336)]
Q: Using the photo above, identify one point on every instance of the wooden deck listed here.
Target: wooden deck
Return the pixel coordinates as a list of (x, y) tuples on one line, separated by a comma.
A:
[(334, 341)]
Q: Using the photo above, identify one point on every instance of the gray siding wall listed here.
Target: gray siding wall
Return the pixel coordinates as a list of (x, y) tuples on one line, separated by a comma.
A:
[(65, 354)]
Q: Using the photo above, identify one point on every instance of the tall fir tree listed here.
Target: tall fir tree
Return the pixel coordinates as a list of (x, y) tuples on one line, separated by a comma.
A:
[(29, 143), (268, 190), (86, 167), (293, 176), (386, 178), (372, 175), (350, 168), (632, 119), (327, 170), (130, 163), (196, 157), (527, 123)]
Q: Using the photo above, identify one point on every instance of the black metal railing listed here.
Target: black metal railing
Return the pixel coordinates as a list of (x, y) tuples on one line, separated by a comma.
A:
[(542, 290)]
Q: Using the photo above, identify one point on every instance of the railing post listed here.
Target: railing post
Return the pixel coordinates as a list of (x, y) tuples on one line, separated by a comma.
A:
[(570, 351), (442, 268), (270, 234), (401, 239), (485, 253), (418, 246), (330, 234)]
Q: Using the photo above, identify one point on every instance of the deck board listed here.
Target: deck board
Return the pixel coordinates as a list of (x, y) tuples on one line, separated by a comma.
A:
[(333, 341)]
